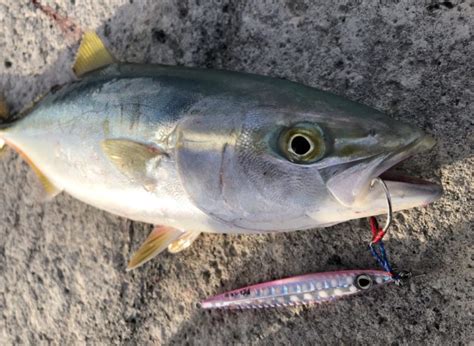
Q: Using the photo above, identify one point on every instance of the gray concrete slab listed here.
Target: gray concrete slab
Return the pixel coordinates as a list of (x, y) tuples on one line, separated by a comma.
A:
[(62, 277)]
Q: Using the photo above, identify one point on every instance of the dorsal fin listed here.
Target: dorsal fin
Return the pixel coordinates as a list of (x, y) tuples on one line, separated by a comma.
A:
[(92, 55)]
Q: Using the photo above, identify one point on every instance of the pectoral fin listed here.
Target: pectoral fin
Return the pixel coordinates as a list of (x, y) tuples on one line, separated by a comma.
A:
[(183, 242), (91, 55), (158, 240), (131, 158)]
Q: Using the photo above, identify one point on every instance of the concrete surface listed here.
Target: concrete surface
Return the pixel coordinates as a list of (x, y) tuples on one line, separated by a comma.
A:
[(62, 277)]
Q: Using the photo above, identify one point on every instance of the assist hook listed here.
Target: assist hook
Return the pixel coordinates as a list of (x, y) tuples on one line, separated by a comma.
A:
[(379, 235)]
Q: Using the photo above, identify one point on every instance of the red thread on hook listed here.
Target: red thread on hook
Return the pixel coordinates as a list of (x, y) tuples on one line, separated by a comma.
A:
[(377, 232)]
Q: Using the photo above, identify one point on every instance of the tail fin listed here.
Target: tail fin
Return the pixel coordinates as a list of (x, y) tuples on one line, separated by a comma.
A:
[(49, 189), (4, 115), (2, 143)]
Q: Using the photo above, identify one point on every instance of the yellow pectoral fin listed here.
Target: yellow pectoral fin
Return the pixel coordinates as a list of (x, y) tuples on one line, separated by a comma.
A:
[(131, 158), (158, 240), (91, 55)]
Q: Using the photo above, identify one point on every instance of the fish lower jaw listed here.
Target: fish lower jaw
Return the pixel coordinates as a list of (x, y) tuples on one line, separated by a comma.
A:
[(406, 192), (401, 186), (404, 195)]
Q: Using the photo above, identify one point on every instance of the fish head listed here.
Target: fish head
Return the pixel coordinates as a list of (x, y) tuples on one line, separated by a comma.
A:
[(360, 147), (280, 169)]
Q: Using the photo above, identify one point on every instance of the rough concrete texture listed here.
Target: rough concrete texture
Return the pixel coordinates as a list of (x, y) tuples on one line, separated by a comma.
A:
[(62, 264)]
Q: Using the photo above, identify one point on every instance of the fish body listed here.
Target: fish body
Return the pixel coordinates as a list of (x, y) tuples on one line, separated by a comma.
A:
[(300, 290), (220, 170), (193, 150)]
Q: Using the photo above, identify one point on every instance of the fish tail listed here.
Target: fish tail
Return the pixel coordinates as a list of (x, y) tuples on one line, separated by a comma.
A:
[(6, 122), (2, 142), (4, 115), (49, 189)]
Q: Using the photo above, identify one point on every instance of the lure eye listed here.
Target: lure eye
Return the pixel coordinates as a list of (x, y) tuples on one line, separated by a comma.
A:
[(363, 282), (303, 143)]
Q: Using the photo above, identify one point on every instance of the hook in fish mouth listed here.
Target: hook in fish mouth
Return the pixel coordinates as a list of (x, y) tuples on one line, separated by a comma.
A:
[(352, 186), (385, 170), (426, 191)]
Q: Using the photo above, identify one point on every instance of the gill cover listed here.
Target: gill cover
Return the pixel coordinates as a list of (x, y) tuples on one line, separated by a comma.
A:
[(228, 169)]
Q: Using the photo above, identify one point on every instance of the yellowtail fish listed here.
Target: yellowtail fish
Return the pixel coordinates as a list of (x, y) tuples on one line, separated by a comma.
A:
[(193, 150)]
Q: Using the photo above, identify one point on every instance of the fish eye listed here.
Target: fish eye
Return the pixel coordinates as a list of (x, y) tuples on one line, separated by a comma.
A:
[(302, 143), (363, 282)]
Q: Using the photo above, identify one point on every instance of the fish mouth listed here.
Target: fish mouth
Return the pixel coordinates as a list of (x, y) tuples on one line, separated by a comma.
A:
[(406, 191), (351, 187), (387, 169)]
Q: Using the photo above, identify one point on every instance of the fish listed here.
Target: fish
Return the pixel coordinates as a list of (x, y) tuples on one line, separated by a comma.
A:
[(306, 289), (194, 150)]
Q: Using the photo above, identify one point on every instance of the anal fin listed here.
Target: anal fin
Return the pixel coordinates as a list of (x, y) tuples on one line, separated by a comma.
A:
[(158, 240), (184, 241)]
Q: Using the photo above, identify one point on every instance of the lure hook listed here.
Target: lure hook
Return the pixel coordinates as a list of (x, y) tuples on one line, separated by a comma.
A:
[(388, 222)]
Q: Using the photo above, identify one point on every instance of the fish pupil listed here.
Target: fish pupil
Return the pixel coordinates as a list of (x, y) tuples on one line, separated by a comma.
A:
[(300, 145)]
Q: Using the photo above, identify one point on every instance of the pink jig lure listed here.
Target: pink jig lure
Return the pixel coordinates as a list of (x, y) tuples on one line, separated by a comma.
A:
[(300, 290)]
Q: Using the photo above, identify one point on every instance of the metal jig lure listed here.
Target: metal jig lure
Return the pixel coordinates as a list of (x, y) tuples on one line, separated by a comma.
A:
[(300, 290), (319, 287)]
